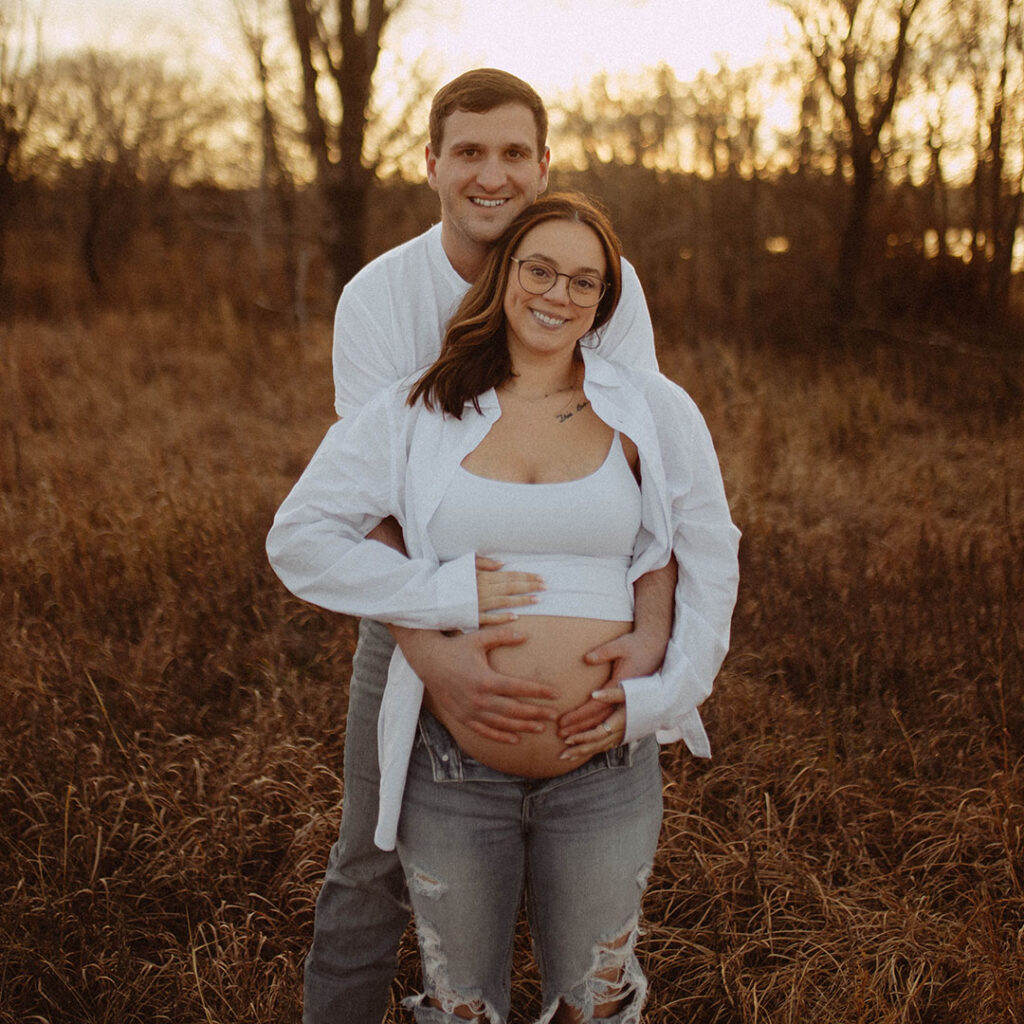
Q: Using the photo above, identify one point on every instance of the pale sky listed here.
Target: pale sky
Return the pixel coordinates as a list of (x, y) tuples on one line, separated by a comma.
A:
[(553, 44)]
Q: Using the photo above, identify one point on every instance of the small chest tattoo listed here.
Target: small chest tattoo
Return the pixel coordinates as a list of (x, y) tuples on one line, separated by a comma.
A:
[(569, 413)]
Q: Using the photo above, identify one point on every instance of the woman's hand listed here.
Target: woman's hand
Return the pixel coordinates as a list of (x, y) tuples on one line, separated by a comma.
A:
[(497, 589), (457, 672), (610, 733)]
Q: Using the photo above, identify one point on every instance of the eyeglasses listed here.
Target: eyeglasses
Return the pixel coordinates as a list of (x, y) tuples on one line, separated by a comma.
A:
[(538, 278)]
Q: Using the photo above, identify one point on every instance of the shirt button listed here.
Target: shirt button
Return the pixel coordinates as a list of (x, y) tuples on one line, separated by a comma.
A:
[(444, 757)]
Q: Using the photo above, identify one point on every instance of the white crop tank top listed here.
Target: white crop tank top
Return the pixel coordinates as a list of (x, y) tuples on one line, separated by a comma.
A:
[(578, 534)]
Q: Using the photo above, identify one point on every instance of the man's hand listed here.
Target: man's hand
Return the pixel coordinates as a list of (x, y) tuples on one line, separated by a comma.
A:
[(457, 673), (456, 670)]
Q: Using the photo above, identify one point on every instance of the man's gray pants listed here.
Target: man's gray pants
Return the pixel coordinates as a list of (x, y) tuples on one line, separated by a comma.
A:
[(362, 910)]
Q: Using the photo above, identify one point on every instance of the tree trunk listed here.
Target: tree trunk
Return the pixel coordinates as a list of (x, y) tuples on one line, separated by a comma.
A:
[(340, 58), (8, 195), (841, 65), (348, 206), (1004, 210), (854, 237)]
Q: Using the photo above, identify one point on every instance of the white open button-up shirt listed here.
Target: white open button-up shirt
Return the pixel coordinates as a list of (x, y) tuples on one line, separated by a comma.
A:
[(390, 459)]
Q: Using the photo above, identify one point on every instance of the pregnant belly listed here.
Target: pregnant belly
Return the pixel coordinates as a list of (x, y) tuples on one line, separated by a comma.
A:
[(552, 653)]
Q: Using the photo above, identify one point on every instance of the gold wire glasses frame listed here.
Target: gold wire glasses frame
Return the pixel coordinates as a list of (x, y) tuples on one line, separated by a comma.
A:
[(538, 278)]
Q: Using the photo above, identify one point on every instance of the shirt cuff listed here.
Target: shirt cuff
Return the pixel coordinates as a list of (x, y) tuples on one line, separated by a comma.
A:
[(647, 715), (457, 600), (644, 706)]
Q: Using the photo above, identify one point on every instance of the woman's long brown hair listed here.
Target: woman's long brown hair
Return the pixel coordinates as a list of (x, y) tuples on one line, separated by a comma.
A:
[(474, 354)]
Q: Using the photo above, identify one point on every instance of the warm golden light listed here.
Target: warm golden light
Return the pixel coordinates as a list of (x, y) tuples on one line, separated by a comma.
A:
[(553, 44)]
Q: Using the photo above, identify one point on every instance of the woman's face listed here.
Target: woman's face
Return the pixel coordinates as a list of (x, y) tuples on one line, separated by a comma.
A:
[(552, 323)]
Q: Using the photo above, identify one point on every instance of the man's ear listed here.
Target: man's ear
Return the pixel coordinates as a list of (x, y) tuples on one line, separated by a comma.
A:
[(545, 165), (431, 167)]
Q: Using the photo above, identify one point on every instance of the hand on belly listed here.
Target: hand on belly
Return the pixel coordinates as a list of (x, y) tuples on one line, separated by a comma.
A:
[(552, 653)]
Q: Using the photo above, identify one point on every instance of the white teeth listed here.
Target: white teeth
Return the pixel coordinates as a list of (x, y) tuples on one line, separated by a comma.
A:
[(551, 321), (490, 202)]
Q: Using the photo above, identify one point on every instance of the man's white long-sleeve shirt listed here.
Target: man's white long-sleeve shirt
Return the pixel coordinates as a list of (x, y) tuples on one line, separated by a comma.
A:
[(390, 459)]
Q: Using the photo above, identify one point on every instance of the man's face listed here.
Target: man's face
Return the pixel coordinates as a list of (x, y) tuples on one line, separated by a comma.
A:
[(487, 171)]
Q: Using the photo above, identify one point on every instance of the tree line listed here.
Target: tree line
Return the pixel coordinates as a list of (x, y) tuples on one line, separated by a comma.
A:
[(871, 173)]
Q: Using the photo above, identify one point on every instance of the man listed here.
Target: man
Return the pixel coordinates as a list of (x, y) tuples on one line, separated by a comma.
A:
[(487, 160)]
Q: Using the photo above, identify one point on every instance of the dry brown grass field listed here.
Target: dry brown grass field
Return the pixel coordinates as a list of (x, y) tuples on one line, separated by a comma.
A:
[(173, 720)]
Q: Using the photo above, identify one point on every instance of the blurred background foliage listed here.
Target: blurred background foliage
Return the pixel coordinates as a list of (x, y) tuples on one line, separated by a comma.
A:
[(871, 178)]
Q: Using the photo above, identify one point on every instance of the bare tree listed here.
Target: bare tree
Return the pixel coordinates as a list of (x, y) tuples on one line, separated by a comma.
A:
[(709, 126), (684, 164), (1000, 191), (339, 45), (630, 120), (19, 96), (859, 49), (974, 48), (936, 187), (123, 131), (277, 184)]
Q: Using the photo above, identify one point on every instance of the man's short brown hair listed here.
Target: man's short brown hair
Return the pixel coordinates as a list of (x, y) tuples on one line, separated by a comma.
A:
[(481, 90)]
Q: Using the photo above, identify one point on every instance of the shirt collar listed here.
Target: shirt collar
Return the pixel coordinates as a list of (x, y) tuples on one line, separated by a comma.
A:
[(599, 370)]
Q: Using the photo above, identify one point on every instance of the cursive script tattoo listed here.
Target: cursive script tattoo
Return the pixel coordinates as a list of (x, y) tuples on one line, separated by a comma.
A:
[(569, 413)]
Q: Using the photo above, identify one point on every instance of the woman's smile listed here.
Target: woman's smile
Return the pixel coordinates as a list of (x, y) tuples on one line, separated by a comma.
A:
[(548, 319)]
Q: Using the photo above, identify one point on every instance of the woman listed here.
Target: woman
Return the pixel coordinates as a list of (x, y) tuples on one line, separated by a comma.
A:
[(533, 479)]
